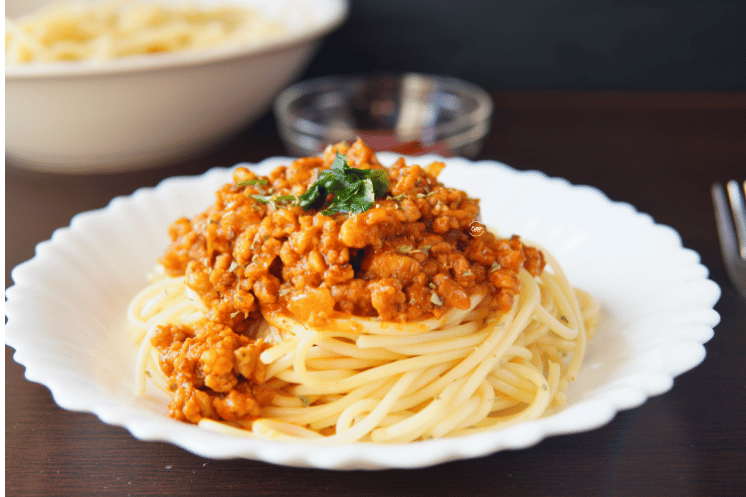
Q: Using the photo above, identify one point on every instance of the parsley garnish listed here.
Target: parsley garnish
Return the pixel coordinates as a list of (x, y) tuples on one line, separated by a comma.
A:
[(354, 190), (273, 200), (251, 182)]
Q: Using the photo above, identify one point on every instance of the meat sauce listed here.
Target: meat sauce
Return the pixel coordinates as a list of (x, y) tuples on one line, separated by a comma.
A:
[(416, 253)]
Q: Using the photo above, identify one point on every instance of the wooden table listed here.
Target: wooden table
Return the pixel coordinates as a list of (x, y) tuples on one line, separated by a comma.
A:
[(658, 151)]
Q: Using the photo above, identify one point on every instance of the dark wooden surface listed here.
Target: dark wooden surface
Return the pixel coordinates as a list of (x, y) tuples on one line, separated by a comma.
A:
[(658, 151)]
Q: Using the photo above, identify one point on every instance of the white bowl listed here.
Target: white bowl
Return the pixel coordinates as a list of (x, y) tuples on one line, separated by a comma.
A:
[(145, 111), (66, 312)]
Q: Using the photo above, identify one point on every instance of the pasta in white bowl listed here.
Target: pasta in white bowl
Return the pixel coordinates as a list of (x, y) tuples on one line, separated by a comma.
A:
[(656, 313), (107, 30)]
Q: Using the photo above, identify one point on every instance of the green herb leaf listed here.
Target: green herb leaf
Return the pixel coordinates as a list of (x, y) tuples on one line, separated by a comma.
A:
[(340, 162), (252, 182), (265, 199), (353, 190), (314, 197), (273, 200)]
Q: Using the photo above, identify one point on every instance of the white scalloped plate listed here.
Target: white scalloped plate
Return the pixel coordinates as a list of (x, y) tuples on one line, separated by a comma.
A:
[(66, 311)]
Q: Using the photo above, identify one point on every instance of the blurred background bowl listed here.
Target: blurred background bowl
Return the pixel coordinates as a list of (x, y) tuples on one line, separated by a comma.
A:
[(409, 114), (145, 111)]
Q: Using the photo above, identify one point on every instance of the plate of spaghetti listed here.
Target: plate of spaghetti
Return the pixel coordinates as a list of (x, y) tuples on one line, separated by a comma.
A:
[(355, 310)]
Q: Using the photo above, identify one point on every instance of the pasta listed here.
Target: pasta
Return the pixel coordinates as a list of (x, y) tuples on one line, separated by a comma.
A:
[(121, 28), (344, 377)]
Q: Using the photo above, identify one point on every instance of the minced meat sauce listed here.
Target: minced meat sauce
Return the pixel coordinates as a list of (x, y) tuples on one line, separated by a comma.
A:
[(418, 252)]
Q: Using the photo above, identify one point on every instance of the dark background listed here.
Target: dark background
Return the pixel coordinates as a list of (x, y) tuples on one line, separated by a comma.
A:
[(550, 44)]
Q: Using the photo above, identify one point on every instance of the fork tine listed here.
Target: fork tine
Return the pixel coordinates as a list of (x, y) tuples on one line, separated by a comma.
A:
[(728, 242), (734, 263), (739, 214)]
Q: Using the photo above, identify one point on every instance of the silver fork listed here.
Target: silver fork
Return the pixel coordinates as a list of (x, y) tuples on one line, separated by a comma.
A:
[(732, 231)]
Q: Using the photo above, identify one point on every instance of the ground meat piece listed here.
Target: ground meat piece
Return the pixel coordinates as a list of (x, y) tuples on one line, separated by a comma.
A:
[(216, 364), (191, 404), (314, 303), (246, 361), (534, 261), (451, 292), (386, 264), (353, 298), (266, 288), (239, 404), (386, 297)]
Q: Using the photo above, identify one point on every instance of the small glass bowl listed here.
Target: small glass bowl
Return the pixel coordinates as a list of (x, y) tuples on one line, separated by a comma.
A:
[(410, 114)]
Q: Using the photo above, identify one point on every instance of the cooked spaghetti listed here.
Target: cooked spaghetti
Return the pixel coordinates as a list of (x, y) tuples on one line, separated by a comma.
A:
[(67, 31), (281, 315)]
